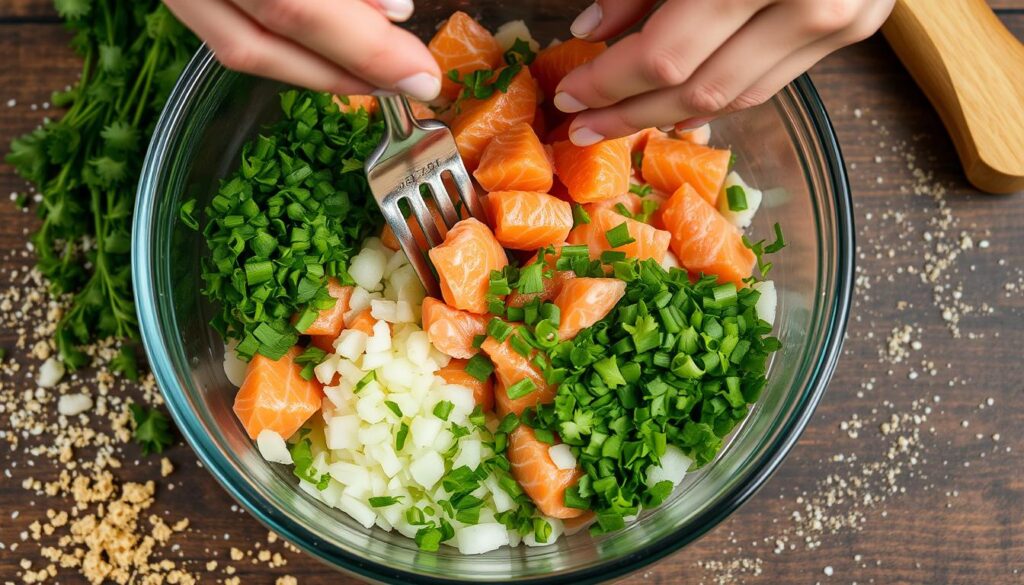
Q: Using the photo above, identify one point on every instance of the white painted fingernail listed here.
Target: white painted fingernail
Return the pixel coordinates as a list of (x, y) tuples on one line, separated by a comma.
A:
[(584, 136), (587, 22), (667, 128), (397, 10), (568, 104), (422, 86)]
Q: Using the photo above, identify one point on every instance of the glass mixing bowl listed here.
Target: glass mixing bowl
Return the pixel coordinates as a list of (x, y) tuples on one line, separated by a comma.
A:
[(786, 147)]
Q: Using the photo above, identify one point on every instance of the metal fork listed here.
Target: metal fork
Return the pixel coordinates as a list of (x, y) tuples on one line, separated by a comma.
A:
[(413, 153)]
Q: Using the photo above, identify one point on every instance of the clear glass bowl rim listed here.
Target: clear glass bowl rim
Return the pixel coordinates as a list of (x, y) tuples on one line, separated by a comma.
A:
[(202, 65)]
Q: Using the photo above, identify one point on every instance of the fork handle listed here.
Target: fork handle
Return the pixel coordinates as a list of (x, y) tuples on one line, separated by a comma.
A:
[(397, 115)]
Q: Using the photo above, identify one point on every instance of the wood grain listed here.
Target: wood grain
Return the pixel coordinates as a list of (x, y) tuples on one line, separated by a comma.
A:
[(925, 535), (943, 44)]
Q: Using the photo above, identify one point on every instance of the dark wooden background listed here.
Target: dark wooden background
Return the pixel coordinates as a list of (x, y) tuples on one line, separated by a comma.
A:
[(958, 514)]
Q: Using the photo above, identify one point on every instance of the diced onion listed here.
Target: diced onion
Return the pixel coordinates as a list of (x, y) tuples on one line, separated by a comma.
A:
[(272, 447), (767, 302), (234, 368), (359, 511), (351, 344), (507, 34), (740, 219), (561, 455), (367, 268), (427, 469), (674, 464), (481, 538)]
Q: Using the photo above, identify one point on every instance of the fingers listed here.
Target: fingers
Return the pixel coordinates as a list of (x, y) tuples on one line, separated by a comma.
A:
[(394, 10), (240, 44), (607, 18), (357, 37), (729, 80), (677, 38)]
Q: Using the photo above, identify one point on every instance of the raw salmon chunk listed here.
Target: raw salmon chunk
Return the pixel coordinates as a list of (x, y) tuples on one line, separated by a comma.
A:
[(596, 172), (585, 301), (464, 262), (509, 368), (669, 163), (632, 202), (482, 120), (451, 330), (356, 102), (275, 397), (703, 240), (554, 63), (483, 392), (650, 241), (330, 322), (524, 220), (515, 161), (638, 141), (462, 45), (420, 110), (538, 475), (363, 321)]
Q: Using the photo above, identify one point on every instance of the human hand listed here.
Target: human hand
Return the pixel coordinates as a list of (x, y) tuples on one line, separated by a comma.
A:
[(697, 59), (340, 46)]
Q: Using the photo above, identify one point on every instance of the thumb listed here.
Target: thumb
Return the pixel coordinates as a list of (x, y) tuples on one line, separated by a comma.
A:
[(605, 19)]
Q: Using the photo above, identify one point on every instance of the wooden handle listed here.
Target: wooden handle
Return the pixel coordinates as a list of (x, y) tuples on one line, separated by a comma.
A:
[(972, 69)]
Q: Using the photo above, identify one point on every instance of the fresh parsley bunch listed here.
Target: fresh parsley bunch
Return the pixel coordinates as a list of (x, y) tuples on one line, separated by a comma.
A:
[(86, 164)]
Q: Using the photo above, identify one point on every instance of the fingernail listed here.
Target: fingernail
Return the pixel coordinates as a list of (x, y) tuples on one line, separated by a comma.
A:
[(422, 86), (587, 21), (692, 123), (584, 136), (667, 128), (568, 104), (397, 10)]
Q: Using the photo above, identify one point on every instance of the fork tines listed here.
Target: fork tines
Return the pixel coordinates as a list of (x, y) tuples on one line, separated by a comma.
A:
[(414, 154)]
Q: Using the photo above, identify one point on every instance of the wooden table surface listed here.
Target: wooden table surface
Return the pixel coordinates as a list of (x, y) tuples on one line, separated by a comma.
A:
[(953, 512)]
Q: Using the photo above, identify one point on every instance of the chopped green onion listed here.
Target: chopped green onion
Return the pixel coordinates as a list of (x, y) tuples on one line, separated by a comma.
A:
[(443, 409), (737, 198), (400, 437), (684, 367), (531, 279), (579, 216), (778, 244), (619, 236), (520, 389), (499, 329), (385, 501), (610, 256), (393, 407), (641, 190), (369, 377), (509, 423), (544, 436), (480, 367)]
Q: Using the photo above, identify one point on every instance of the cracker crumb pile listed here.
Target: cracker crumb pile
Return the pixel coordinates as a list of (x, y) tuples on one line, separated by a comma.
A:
[(68, 438)]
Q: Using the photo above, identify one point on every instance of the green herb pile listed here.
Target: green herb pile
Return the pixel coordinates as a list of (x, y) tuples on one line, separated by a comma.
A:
[(288, 220), (86, 164), (675, 363)]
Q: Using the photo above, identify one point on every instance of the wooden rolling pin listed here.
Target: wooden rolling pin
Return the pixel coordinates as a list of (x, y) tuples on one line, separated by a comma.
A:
[(972, 69)]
